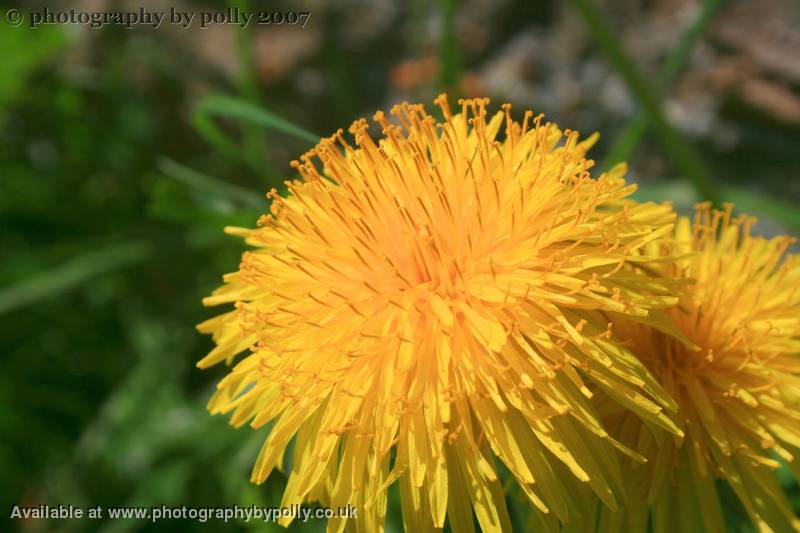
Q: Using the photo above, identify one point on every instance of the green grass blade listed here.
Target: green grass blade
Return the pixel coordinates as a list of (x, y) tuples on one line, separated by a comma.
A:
[(210, 185), (677, 58), (629, 138), (219, 105), (71, 274), (681, 153)]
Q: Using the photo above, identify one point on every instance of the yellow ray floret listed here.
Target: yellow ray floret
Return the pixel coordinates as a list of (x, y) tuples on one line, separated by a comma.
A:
[(738, 392), (424, 305)]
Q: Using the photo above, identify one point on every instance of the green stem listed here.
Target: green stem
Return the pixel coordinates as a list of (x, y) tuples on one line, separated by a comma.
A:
[(630, 136), (682, 154), (448, 53), (254, 140)]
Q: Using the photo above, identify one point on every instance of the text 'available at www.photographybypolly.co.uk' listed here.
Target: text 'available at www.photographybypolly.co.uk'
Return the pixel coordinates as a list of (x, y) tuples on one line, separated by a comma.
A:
[(164, 512)]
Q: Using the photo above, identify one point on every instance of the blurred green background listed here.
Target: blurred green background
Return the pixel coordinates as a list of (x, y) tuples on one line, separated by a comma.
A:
[(124, 152)]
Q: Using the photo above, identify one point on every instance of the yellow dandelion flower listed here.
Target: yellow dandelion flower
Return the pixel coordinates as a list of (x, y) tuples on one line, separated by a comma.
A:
[(738, 388), (424, 305)]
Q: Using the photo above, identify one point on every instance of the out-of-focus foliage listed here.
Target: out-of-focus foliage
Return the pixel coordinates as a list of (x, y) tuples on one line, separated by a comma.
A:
[(118, 172)]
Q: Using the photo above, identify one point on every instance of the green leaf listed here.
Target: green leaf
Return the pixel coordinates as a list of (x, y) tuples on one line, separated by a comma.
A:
[(25, 50), (746, 201), (679, 192)]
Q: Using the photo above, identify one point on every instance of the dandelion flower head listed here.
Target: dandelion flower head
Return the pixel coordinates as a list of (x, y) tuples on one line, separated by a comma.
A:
[(425, 305), (738, 387)]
